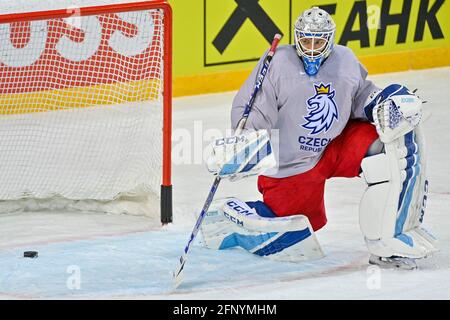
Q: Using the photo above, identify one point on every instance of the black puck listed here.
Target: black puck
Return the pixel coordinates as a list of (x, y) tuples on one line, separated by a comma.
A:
[(30, 254)]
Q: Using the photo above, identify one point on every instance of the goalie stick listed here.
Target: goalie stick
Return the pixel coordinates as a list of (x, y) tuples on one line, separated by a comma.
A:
[(178, 274)]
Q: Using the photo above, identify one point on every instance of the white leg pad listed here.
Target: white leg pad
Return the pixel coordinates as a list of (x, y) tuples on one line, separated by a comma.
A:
[(232, 223), (392, 208)]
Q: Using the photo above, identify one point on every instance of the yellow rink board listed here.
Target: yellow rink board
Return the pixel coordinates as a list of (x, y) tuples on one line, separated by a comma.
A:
[(375, 64), (217, 43)]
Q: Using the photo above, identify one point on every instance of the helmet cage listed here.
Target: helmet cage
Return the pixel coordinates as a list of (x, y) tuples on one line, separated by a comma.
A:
[(312, 54)]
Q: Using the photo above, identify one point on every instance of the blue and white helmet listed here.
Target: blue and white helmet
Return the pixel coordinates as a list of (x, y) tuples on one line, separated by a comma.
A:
[(313, 24)]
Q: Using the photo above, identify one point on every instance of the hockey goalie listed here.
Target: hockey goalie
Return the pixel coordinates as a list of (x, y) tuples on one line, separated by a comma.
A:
[(315, 117)]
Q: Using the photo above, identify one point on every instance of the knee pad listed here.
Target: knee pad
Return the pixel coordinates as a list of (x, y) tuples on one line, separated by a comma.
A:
[(393, 205)]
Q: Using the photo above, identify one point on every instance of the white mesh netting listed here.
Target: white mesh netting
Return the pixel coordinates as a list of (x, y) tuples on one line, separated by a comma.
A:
[(81, 112)]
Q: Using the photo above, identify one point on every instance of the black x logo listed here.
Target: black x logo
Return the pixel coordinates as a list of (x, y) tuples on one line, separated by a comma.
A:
[(246, 9)]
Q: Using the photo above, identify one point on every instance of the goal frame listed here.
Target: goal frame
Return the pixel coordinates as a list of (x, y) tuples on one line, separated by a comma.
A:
[(166, 183)]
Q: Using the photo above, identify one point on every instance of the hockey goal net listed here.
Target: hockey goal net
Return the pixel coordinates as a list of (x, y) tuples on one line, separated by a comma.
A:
[(85, 109)]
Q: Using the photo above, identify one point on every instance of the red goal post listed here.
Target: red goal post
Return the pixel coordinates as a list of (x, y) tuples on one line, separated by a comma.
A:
[(11, 87)]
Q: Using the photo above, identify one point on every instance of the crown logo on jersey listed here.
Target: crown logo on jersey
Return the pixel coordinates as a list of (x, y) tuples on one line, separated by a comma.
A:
[(322, 89), (322, 109)]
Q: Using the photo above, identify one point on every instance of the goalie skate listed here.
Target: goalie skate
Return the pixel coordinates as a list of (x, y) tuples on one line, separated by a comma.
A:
[(393, 262)]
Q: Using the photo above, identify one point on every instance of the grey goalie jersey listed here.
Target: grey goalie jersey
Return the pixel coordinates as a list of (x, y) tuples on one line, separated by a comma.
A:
[(304, 113)]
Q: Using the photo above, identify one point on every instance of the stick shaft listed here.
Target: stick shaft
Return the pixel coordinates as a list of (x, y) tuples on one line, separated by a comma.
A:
[(259, 82), (262, 74)]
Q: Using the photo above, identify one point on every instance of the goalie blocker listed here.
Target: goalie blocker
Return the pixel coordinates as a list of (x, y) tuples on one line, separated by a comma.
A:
[(247, 154)]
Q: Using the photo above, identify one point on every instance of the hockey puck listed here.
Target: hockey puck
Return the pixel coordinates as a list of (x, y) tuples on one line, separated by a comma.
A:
[(30, 254)]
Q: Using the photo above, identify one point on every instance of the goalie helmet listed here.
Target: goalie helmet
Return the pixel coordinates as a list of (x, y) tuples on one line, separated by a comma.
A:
[(314, 36)]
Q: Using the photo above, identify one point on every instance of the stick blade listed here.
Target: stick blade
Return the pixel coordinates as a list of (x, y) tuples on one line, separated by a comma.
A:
[(178, 278)]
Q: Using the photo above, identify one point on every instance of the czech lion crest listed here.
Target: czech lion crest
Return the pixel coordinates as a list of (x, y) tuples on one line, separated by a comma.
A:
[(322, 110)]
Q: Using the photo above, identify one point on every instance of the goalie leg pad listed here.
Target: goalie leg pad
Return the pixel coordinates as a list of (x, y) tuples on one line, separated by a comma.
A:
[(235, 224), (392, 208)]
